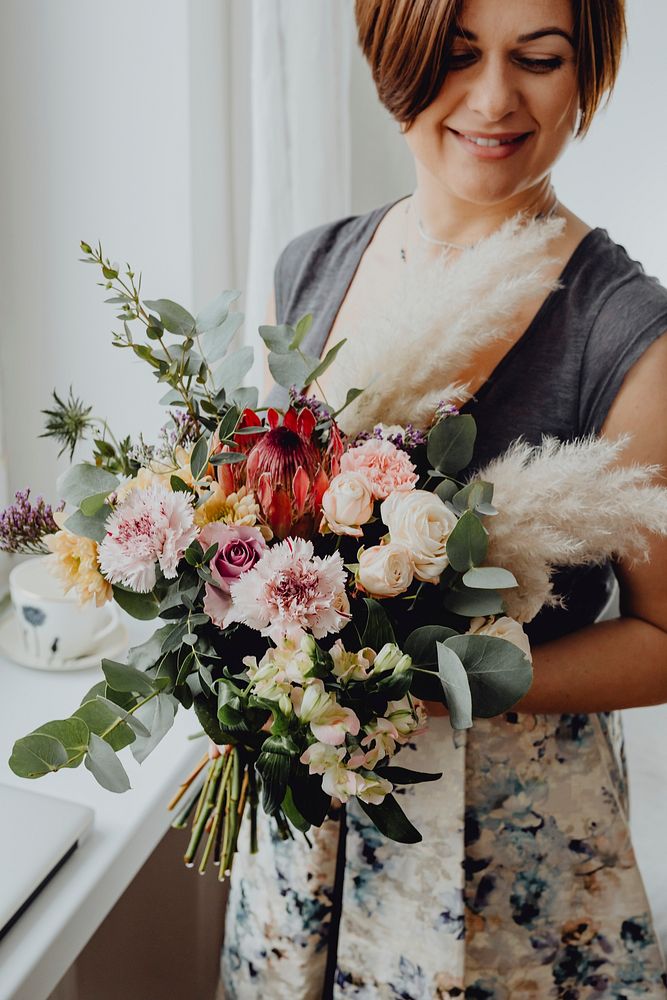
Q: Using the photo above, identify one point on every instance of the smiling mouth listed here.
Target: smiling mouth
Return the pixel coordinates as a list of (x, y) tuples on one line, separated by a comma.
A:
[(492, 141)]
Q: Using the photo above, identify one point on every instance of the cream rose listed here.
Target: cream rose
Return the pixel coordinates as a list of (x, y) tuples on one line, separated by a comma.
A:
[(347, 503), (420, 521), (503, 628), (385, 570)]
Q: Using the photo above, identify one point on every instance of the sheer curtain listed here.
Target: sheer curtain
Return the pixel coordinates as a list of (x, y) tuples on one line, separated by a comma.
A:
[(300, 122)]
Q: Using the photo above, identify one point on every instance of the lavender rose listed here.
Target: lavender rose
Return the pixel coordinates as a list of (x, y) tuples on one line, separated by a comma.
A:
[(239, 548)]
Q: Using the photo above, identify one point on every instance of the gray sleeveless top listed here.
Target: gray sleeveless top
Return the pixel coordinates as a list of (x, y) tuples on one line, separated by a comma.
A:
[(559, 378)]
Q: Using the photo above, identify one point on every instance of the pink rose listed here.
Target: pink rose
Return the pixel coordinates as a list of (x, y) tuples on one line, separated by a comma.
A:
[(239, 549), (387, 468)]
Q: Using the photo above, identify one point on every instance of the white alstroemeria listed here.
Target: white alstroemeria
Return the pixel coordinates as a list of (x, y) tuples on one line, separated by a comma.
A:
[(372, 788), (278, 670), (321, 757), (390, 658), (351, 666), (408, 719), (381, 739), (329, 721)]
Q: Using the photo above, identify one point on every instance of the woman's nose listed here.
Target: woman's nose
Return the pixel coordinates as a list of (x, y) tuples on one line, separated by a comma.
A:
[(493, 93)]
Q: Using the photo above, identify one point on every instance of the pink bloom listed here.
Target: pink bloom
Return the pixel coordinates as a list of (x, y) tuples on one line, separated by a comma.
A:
[(239, 548), (290, 591), (329, 721), (386, 467), (150, 525)]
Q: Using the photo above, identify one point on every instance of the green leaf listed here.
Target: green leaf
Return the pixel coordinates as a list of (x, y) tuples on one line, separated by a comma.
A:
[(378, 628), (499, 673), (147, 653), (84, 480), (326, 362), (390, 820), (36, 755), (99, 717), (227, 458), (123, 677), (137, 727), (72, 733), (302, 328), (489, 578), (421, 644), (309, 798), (291, 369), (199, 457), (446, 489), (451, 443), (293, 814), (215, 313), (472, 603), (473, 495), (404, 776), (206, 713), (144, 607), (468, 543), (174, 317), (352, 394), (274, 768), (455, 687), (157, 716), (88, 527), (91, 505), (215, 343), (104, 765), (246, 395), (277, 338), (230, 373), (172, 398)]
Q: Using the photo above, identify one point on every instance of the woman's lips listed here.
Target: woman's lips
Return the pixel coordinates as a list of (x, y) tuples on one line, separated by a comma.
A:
[(510, 143)]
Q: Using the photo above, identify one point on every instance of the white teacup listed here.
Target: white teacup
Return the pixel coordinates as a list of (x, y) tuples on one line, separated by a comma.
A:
[(53, 625)]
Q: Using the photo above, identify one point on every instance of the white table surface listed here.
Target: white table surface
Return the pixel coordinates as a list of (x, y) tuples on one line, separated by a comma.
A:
[(40, 947)]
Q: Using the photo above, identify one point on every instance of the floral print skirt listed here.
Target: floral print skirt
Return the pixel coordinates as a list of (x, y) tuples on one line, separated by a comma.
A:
[(525, 886)]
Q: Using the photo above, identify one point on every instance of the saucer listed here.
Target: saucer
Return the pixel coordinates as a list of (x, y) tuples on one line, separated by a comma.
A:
[(11, 646)]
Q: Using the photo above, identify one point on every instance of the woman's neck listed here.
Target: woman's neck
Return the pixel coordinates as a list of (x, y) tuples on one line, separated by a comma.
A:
[(443, 216)]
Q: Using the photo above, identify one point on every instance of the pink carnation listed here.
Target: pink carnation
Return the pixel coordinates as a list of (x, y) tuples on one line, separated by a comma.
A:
[(290, 591), (387, 468), (150, 525)]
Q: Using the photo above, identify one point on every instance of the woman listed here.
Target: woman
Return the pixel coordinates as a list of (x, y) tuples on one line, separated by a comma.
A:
[(526, 884)]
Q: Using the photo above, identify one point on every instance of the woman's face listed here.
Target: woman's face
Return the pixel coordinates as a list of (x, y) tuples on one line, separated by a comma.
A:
[(512, 80)]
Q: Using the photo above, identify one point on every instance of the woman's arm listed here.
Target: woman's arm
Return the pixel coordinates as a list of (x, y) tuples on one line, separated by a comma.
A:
[(621, 663)]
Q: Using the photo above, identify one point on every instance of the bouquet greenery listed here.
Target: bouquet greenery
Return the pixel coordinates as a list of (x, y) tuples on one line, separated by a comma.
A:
[(312, 589)]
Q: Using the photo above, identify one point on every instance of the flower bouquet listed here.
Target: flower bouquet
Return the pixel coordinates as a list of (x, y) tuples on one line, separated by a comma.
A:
[(313, 587)]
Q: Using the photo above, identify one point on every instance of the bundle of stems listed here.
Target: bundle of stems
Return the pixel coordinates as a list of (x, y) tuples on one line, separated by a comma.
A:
[(217, 805)]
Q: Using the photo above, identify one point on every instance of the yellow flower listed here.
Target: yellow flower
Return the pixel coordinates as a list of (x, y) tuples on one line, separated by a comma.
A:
[(237, 508), (75, 564)]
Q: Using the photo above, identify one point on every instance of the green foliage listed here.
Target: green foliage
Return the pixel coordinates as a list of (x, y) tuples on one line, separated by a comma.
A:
[(144, 607), (499, 673), (390, 820), (84, 480), (378, 628), (105, 766), (173, 316), (451, 443), (468, 543), (455, 687)]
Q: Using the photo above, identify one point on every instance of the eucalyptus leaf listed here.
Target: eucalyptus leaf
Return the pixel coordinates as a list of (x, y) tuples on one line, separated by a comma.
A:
[(446, 489), (390, 820), (174, 317), (291, 369), (88, 527), (471, 603), (228, 423), (135, 724), (36, 754), (471, 496), (72, 733), (499, 672), (421, 644), (105, 766), (489, 578), (451, 443), (455, 686), (468, 543), (277, 338), (215, 343), (99, 718), (91, 505), (215, 313), (199, 457), (246, 395), (123, 677), (84, 480), (157, 715), (352, 394), (230, 373), (302, 328)]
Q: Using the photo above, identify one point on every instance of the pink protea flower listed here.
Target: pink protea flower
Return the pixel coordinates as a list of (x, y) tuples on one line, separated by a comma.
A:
[(284, 470), (387, 468), (150, 525), (291, 591)]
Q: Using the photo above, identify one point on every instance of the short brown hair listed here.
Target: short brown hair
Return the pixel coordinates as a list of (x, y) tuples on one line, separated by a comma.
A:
[(406, 43)]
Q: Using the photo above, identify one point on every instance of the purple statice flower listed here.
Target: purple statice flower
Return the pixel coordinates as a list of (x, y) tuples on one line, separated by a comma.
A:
[(300, 401), (184, 430), (444, 409), (23, 524), (407, 440)]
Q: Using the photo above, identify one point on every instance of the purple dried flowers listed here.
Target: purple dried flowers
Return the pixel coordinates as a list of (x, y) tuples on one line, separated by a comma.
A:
[(23, 524)]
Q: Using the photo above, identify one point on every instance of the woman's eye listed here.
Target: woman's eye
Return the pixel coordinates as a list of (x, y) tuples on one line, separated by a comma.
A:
[(541, 65), (458, 60)]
